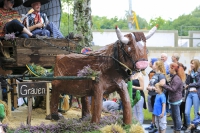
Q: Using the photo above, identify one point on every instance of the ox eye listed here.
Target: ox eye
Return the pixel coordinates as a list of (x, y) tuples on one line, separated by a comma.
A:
[(129, 49)]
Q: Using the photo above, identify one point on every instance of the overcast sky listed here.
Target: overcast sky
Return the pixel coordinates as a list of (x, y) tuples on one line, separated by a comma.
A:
[(167, 9)]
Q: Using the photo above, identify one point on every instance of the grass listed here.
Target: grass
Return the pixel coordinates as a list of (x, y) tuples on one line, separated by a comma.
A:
[(147, 115)]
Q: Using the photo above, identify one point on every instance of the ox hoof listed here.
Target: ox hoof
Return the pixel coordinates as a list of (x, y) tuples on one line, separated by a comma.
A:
[(48, 117), (55, 116)]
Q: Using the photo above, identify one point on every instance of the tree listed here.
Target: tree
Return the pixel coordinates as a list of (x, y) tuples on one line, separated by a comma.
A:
[(66, 24), (186, 23), (106, 23), (161, 22), (83, 21), (80, 22)]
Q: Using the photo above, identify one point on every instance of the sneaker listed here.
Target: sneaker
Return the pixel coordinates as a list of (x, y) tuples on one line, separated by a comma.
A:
[(187, 131), (191, 127), (150, 127), (33, 36), (183, 128), (198, 113), (153, 130)]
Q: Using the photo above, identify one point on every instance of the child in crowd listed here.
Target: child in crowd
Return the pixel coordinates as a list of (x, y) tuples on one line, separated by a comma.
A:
[(159, 109), (158, 77)]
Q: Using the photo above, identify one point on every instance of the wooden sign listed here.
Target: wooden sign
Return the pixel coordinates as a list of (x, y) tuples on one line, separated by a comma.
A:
[(29, 89)]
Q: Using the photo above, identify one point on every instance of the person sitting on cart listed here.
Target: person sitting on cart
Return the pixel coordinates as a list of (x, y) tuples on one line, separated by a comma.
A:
[(38, 22), (10, 20)]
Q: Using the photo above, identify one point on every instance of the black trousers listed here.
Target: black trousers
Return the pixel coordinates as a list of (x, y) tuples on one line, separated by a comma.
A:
[(17, 27), (182, 113)]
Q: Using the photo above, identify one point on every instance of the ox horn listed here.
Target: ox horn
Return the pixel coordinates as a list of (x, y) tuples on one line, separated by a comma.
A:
[(121, 37)]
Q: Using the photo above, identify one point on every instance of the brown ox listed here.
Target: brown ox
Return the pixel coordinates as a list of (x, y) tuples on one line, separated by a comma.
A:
[(111, 79)]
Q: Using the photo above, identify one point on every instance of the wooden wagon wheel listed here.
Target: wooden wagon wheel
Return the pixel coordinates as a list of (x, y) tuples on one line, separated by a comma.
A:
[(4, 50)]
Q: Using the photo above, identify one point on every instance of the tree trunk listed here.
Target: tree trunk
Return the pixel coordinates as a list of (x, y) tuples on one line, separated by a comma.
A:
[(83, 21)]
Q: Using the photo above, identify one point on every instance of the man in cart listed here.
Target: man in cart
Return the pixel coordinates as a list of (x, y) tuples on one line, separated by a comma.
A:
[(10, 20), (38, 23)]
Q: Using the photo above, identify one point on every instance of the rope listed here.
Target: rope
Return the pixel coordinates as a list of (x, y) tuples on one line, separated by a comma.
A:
[(32, 71)]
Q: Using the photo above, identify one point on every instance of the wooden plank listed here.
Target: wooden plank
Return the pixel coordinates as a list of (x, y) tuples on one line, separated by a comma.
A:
[(15, 93), (22, 60), (41, 51), (48, 99), (32, 42), (30, 102), (9, 97)]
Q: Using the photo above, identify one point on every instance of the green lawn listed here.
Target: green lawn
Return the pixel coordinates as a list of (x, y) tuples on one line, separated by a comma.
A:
[(147, 115)]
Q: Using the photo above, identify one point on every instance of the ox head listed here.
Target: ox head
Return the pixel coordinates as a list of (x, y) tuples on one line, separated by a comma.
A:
[(136, 51)]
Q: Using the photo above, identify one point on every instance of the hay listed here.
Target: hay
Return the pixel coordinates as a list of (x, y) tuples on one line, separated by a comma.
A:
[(136, 128), (114, 128)]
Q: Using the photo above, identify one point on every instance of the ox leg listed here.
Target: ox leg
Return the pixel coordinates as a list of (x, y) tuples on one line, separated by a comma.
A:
[(54, 102), (85, 106), (98, 99), (127, 113)]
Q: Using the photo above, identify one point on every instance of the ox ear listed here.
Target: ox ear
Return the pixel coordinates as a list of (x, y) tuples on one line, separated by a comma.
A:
[(120, 36)]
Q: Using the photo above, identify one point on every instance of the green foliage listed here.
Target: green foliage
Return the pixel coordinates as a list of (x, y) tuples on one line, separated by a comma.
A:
[(155, 21), (66, 25), (183, 23), (142, 22), (110, 23), (106, 23)]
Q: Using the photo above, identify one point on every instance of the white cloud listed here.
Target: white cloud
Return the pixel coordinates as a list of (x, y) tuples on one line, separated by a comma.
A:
[(144, 8)]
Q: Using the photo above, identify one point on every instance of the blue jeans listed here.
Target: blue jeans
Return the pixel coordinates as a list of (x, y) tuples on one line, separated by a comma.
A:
[(49, 30), (176, 117), (41, 32), (192, 99), (137, 111), (196, 121)]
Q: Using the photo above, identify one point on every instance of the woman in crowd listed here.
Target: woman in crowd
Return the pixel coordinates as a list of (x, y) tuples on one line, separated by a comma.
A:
[(174, 89), (138, 84), (151, 73), (158, 77), (193, 87)]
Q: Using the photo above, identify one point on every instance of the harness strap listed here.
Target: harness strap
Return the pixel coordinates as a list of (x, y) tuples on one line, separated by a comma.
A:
[(121, 46), (116, 55)]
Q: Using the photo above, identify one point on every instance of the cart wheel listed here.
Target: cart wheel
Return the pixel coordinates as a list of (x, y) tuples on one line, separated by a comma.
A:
[(36, 101)]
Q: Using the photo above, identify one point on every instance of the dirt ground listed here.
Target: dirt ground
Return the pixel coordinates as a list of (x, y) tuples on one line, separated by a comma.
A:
[(19, 115)]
